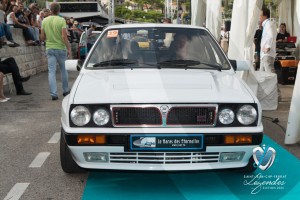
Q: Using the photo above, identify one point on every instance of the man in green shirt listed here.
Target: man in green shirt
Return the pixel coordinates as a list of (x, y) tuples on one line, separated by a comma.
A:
[(54, 32)]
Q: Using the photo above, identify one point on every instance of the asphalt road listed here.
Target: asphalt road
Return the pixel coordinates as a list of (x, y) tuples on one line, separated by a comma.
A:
[(30, 164), (29, 130)]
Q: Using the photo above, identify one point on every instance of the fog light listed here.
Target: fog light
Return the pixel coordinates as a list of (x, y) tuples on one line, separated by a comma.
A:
[(231, 156), (95, 156)]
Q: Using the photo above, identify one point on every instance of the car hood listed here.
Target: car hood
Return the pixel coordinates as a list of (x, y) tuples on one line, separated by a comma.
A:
[(160, 86)]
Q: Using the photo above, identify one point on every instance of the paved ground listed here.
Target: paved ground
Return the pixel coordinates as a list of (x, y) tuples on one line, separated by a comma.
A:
[(27, 124), (277, 132)]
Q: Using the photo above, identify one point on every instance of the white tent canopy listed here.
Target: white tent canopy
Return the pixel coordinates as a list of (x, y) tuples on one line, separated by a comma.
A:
[(243, 26), (214, 17), (293, 127), (198, 12), (244, 22), (285, 14), (207, 13)]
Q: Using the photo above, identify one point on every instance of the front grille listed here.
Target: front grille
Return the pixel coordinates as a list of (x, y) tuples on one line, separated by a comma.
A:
[(191, 116), (163, 158), (164, 115), (128, 116)]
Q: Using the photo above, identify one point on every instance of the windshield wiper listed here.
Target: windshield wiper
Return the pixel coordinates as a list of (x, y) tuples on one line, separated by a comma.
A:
[(178, 63), (216, 66), (187, 64), (115, 62)]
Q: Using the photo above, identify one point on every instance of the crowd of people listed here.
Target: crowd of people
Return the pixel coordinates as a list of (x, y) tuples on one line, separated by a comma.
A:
[(13, 13)]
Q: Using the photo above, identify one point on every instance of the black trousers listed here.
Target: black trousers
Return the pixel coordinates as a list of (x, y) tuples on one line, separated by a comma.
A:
[(9, 65)]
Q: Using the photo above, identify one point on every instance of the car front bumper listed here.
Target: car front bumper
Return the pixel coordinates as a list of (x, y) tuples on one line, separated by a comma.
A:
[(136, 160), (120, 157)]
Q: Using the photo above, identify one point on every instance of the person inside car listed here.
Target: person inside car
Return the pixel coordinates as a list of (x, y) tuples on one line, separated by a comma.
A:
[(178, 48), (136, 53)]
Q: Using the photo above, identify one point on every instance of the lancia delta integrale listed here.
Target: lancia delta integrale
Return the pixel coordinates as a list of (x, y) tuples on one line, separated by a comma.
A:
[(175, 104)]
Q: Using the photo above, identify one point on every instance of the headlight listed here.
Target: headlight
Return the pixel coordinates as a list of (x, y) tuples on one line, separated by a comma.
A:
[(80, 115), (246, 114), (226, 116), (101, 117)]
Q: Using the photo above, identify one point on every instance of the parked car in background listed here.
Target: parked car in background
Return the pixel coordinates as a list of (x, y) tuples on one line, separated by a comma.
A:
[(178, 105)]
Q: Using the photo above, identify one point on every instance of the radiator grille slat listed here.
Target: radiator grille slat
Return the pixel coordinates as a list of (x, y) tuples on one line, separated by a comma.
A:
[(163, 158), (154, 115), (137, 116), (191, 116)]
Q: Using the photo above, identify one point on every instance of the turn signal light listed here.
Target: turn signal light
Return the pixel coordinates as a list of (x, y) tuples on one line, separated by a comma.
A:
[(89, 139), (229, 139), (238, 139)]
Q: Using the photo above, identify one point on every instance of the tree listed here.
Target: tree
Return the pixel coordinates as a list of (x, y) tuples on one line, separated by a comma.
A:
[(122, 12), (188, 6), (228, 4)]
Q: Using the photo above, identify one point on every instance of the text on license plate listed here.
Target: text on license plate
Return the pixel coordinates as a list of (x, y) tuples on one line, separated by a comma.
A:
[(167, 142)]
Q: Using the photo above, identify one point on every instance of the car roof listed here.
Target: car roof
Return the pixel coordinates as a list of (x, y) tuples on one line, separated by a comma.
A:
[(150, 25)]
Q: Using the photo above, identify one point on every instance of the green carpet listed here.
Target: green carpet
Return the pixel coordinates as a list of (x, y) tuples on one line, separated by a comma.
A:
[(284, 175)]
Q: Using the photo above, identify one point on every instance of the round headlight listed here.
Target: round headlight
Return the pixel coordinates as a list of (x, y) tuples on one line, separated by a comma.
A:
[(80, 115), (226, 116), (101, 117), (246, 114)]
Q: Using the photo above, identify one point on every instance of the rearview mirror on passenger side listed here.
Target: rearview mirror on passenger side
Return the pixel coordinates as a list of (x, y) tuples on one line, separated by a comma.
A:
[(72, 65), (240, 65)]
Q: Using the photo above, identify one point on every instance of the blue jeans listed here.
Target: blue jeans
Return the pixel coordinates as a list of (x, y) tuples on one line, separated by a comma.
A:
[(7, 32), (2, 33), (54, 56)]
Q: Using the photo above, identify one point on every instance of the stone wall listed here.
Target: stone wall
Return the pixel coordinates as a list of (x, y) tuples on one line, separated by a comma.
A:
[(30, 59)]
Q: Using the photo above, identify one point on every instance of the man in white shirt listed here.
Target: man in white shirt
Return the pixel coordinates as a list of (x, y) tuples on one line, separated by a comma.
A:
[(268, 42)]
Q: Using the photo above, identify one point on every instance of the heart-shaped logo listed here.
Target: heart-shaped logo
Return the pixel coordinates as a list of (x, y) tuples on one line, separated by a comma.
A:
[(264, 157)]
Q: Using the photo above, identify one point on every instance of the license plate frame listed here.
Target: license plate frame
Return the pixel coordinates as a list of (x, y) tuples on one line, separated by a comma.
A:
[(167, 142)]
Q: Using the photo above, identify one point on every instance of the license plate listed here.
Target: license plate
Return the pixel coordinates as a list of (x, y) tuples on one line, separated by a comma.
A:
[(167, 142)]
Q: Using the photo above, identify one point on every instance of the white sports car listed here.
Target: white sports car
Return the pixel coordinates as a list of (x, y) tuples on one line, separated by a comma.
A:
[(174, 105)]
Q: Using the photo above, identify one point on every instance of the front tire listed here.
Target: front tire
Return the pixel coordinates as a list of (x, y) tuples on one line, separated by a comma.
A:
[(67, 163)]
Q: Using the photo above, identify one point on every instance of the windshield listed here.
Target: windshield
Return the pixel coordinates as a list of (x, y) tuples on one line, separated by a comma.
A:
[(157, 47)]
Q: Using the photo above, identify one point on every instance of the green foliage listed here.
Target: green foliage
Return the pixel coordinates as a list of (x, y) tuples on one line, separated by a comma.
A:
[(156, 16), (122, 12), (228, 4), (188, 6), (150, 16), (137, 15)]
